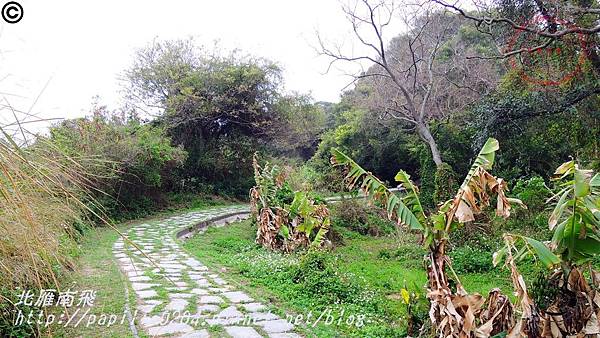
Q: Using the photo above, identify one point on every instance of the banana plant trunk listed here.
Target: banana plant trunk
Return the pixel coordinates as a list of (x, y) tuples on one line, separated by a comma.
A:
[(436, 271)]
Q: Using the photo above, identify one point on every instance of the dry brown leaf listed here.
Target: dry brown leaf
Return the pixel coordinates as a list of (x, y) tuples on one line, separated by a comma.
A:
[(516, 330), (592, 326), (464, 213)]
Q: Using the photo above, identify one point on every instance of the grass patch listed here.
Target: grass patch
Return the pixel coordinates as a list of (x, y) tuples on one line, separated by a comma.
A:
[(98, 270), (362, 277)]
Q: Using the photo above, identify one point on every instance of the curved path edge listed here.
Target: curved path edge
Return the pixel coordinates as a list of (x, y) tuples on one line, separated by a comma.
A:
[(221, 220), (177, 295)]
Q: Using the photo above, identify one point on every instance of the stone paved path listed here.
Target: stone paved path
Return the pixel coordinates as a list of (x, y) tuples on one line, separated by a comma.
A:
[(195, 298)]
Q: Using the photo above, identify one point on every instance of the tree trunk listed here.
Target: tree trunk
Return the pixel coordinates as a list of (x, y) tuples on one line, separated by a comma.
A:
[(425, 134)]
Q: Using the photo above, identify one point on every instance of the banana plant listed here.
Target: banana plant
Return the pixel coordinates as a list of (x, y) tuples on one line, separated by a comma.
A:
[(268, 180), (575, 222), (281, 226), (311, 221), (453, 312), (576, 216)]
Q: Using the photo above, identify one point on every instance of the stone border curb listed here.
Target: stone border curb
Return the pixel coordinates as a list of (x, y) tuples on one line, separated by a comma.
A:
[(190, 231)]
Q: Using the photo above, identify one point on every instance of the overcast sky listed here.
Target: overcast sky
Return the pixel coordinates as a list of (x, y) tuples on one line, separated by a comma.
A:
[(77, 49)]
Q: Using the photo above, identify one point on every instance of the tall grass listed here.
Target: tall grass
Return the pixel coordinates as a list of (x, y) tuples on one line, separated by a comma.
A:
[(44, 201), (47, 197)]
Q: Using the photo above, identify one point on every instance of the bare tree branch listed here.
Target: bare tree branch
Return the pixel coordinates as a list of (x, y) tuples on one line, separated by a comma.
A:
[(488, 20)]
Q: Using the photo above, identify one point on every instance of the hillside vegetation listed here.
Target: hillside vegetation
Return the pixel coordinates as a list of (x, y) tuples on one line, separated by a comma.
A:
[(493, 147)]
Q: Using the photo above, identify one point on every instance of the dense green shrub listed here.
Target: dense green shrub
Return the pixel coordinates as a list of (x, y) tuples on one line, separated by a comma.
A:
[(305, 177), (438, 184), (533, 220), (468, 260), (538, 129), (357, 216), (141, 160), (446, 183), (316, 272), (284, 195), (426, 176), (350, 214), (379, 147), (533, 192)]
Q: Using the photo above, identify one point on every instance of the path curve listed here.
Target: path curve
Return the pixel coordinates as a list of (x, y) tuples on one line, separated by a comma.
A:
[(206, 296)]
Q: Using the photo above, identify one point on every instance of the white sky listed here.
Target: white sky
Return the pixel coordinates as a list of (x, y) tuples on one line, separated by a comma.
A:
[(80, 47)]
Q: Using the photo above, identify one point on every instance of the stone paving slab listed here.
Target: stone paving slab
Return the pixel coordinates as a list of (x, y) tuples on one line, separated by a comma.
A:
[(169, 282), (242, 332)]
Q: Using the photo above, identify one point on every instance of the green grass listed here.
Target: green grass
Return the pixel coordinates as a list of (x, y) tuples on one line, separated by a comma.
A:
[(371, 271), (97, 270), (362, 255)]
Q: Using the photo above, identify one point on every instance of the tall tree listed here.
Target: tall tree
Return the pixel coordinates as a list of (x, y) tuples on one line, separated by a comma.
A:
[(221, 109), (411, 80)]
